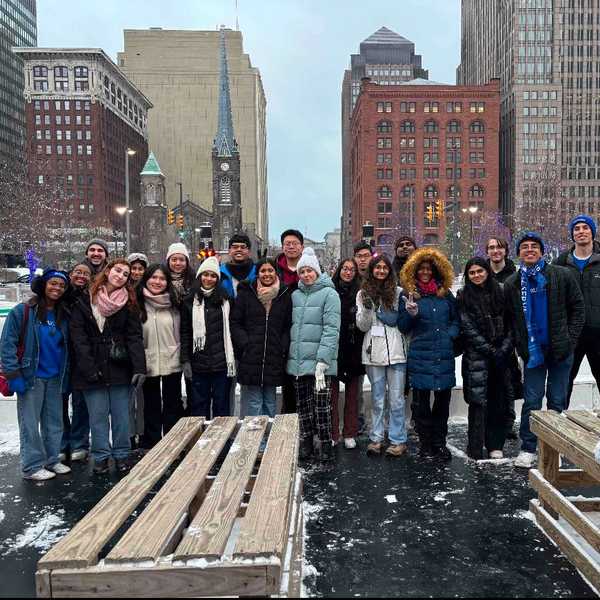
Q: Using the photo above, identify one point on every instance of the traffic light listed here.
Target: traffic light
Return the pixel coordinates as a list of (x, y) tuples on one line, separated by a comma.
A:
[(201, 252), (439, 209), (170, 216), (180, 221), (211, 250), (429, 212)]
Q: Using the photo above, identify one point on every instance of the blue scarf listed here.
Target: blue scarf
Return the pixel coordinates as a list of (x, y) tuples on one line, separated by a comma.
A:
[(534, 297)]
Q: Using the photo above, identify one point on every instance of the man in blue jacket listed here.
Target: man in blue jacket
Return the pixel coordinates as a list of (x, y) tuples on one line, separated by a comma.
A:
[(240, 266)]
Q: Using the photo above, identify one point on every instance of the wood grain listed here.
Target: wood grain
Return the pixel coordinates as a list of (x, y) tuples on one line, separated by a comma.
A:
[(549, 462), (592, 505), (156, 530), (265, 528), (81, 546), (575, 478), (586, 419), (43, 587), (209, 531)]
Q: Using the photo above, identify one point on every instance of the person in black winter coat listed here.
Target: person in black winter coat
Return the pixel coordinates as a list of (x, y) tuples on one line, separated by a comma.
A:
[(350, 365), (260, 329), (487, 343), (106, 332), (206, 347), (500, 265)]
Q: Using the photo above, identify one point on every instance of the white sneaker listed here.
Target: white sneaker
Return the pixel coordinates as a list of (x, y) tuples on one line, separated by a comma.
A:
[(59, 468), (79, 455), (350, 443), (496, 454), (41, 475), (525, 460)]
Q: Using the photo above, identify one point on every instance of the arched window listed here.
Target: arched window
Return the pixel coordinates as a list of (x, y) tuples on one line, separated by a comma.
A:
[(384, 192), (454, 127), (407, 127), (477, 127), (476, 191), (225, 190), (385, 240), (430, 192), (453, 192), (431, 126), (407, 191), (384, 127)]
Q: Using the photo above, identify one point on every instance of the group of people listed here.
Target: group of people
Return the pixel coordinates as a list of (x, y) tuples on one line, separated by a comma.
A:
[(106, 348)]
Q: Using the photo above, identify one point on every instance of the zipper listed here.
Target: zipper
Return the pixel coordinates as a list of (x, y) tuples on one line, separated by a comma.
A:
[(262, 373)]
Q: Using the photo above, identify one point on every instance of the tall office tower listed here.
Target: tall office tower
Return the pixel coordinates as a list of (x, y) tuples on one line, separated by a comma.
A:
[(179, 71), (19, 28), (545, 53), (388, 59)]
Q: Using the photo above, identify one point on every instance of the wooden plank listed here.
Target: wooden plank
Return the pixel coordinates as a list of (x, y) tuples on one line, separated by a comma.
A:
[(575, 478), (551, 497), (586, 419), (568, 438), (587, 505), (160, 582), (160, 525), (265, 528), (549, 463), (568, 546), (43, 587), (209, 531), (81, 546)]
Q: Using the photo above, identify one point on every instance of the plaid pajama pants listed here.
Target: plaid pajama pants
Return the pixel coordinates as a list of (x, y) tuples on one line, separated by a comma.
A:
[(314, 408)]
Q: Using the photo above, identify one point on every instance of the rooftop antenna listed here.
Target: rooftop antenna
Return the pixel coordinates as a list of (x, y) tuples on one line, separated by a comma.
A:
[(237, 20)]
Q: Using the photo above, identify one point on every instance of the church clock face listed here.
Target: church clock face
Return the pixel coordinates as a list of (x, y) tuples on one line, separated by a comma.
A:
[(225, 167)]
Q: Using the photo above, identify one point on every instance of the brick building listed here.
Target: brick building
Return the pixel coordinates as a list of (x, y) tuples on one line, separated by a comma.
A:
[(82, 116), (411, 145)]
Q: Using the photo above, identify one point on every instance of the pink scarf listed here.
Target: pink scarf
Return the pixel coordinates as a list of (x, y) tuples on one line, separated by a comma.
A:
[(428, 289), (109, 305)]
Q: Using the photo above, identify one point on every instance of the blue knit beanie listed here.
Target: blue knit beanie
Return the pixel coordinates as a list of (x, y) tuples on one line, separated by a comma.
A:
[(531, 237), (583, 219)]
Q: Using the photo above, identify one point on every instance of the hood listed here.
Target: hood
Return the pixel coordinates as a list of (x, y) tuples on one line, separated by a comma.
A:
[(324, 281), (282, 263), (408, 276)]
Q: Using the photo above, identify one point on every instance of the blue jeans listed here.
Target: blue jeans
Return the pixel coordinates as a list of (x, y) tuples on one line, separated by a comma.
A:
[(556, 390), (76, 434), (210, 395), (259, 400), (395, 376), (39, 411), (104, 403)]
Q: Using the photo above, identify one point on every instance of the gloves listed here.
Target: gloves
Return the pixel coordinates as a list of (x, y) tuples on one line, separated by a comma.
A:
[(368, 303), (320, 383), (187, 370), (138, 380), (17, 385), (412, 308)]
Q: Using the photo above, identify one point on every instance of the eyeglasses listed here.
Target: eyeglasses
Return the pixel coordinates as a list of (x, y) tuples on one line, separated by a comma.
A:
[(348, 270), (366, 254), (292, 244), (81, 273)]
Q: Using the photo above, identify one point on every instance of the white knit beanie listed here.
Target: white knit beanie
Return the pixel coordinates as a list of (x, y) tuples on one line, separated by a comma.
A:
[(309, 259), (178, 248), (210, 264)]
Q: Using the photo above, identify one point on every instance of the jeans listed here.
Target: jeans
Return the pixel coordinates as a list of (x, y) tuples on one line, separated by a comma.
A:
[(210, 395), (557, 389), (259, 401), (395, 375), (163, 407), (106, 403), (39, 411), (76, 434)]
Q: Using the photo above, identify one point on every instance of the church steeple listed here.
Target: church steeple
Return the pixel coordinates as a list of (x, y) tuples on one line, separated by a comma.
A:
[(225, 144)]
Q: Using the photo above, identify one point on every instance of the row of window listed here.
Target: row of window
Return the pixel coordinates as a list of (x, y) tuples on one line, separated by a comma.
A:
[(430, 126), (64, 120), (60, 104), (430, 173), (431, 157), (60, 72), (68, 150), (451, 142), (124, 103), (69, 180), (42, 85), (430, 191), (430, 107), (59, 135)]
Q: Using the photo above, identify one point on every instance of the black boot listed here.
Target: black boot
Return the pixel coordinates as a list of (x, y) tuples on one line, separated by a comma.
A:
[(425, 451), (327, 452), (306, 449), (101, 466), (443, 453)]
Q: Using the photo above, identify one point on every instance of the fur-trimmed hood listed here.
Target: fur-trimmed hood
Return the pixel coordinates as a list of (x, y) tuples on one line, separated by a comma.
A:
[(408, 275)]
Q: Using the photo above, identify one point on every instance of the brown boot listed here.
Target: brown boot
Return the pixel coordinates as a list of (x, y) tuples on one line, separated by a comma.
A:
[(396, 450), (375, 448)]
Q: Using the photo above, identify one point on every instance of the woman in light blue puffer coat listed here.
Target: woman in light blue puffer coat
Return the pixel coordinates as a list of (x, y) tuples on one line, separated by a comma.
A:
[(313, 353)]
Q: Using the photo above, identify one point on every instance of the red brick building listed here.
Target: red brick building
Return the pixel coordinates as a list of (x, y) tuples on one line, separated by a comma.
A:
[(82, 116), (411, 145)]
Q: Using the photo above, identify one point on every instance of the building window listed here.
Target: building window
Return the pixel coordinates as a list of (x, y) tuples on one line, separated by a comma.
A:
[(477, 107), (408, 173), (477, 127), (407, 191), (38, 134), (431, 173), (453, 192), (476, 157), (69, 150), (407, 142), (476, 142), (225, 190), (382, 126), (453, 155), (384, 143), (385, 174), (431, 157), (41, 179), (61, 73), (37, 105), (431, 107), (430, 192), (40, 71), (431, 127), (82, 86), (48, 149), (81, 72), (58, 119), (408, 107), (59, 135), (38, 119), (431, 142), (454, 107), (408, 158), (477, 173), (384, 159), (88, 150), (384, 107), (384, 207), (384, 192), (407, 127), (453, 127), (476, 191), (40, 85)]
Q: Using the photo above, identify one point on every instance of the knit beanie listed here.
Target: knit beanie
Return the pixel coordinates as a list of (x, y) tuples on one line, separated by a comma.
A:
[(405, 238), (210, 264), (138, 257), (97, 242), (583, 219), (529, 236), (178, 248), (309, 259)]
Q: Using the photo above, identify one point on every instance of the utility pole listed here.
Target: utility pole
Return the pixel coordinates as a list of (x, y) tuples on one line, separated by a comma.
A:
[(180, 205)]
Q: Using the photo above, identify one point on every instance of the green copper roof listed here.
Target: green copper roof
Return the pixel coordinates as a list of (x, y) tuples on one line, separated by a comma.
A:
[(151, 167)]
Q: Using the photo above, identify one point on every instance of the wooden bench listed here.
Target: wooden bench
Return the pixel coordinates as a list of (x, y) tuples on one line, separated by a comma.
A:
[(566, 519), (212, 528)]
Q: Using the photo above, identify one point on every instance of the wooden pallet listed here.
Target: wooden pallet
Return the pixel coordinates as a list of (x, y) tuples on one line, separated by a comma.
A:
[(571, 522), (237, 532)]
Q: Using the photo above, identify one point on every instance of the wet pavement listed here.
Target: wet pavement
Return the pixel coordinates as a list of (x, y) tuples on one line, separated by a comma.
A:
[(376, 527)]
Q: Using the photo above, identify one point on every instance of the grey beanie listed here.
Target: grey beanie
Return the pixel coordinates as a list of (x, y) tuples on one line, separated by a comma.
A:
[(97, 242), (138, 257)]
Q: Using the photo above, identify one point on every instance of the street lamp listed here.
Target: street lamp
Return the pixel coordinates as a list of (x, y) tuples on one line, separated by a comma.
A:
[(471, 210), (121, 211), (128, 152)]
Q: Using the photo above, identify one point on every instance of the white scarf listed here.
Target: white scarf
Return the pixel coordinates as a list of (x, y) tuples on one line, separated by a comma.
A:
[(199, 333)]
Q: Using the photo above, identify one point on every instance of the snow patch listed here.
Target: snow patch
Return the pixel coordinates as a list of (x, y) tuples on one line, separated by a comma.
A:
[(457, 452), (442, 496), (392, 499), (235, 447), (2, 516), (9, 440), (254, 425), (525, 514), (47, 529)]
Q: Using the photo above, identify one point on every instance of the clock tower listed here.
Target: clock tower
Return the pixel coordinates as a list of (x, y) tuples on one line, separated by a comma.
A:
[(227, 205)]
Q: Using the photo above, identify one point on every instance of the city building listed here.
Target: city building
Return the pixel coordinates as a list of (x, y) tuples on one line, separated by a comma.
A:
[(388, 59), (180, 72), (546, 56), (415, 149), (19, 28), (86, 126)]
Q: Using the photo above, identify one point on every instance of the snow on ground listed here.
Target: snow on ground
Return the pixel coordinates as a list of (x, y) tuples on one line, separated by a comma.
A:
[(9, 440)]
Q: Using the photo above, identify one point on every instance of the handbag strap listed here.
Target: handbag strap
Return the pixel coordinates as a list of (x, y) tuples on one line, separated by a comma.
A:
[(21, 345)]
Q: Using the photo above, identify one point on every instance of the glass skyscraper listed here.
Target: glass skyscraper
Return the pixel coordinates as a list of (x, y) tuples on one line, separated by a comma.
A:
[(18, 27)]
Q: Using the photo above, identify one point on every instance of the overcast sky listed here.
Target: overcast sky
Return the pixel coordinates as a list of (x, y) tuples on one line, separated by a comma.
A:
[(301, 48)]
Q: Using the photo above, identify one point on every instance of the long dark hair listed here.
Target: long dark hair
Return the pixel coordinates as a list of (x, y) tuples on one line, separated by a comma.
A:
[(471, 293), (340, 284), (139, 290), (39, 301), (381, 292)]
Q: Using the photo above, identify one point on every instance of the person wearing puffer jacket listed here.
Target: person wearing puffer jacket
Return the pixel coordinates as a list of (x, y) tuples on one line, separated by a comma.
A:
[(312, 361), (384, 354)]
